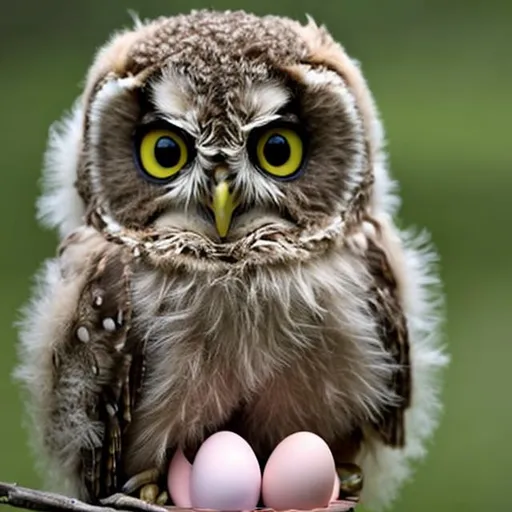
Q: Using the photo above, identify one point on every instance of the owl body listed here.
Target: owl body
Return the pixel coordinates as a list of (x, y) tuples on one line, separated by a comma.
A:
[(228, 260), (263, 344)]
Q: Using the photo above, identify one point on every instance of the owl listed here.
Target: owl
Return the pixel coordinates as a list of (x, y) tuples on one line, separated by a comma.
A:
[(228, 258)]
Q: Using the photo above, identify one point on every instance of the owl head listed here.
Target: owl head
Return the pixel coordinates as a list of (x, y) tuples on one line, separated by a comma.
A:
[(218, 126)]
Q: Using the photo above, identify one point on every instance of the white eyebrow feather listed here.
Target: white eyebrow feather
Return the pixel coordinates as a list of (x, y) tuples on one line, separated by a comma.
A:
[(173, 97), (263, 101)]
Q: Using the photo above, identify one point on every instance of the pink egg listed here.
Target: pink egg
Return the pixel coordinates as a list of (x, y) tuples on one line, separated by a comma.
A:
[(300, 474), (178, 480), (225, 474), (336, 490)]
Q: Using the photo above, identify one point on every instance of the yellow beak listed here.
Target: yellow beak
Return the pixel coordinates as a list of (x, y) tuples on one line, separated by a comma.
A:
[(223, 204)]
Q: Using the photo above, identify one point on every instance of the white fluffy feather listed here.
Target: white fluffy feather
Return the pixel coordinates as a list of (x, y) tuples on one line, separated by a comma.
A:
[(387, 469), (45, 319), (60, 206), (413, 260)]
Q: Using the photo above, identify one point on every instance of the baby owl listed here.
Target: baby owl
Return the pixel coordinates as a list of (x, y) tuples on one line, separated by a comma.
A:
[(228, 259)]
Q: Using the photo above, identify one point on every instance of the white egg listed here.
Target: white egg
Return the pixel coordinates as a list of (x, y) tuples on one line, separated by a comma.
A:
[(225, 474)]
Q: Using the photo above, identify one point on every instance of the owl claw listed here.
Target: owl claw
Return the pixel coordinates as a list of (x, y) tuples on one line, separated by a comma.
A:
[(162, 499), (351, 481), (152, 494), (146, 486), (149, 493), (142, 480)]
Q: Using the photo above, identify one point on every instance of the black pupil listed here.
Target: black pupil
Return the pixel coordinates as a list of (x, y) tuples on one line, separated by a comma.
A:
[(277, 150), (167, 152)]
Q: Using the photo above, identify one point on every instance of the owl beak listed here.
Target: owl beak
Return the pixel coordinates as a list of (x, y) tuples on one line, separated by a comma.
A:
[(223, 204)]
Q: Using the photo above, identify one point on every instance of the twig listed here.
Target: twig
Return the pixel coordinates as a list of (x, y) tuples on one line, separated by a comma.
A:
[(42, 501), (16, 496)]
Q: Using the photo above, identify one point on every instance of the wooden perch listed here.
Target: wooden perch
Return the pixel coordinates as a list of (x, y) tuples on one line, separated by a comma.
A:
[(32, 499)]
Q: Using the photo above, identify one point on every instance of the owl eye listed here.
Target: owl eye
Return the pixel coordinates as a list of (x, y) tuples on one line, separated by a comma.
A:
[(279, 151), (162, 153)]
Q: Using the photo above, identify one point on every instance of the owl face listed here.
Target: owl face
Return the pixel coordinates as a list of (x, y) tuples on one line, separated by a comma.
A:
[(219, 123)]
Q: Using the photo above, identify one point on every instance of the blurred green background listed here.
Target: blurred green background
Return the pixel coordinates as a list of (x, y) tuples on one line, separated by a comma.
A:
[(441, 72)]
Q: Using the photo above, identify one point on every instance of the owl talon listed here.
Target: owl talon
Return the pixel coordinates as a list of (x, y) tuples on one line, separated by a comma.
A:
[(138, 482), (145, 486), (162, 499), (149, 493), (351, 481)]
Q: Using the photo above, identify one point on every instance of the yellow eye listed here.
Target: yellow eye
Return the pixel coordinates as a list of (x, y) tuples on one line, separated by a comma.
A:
[(280, 152), (162, 153)]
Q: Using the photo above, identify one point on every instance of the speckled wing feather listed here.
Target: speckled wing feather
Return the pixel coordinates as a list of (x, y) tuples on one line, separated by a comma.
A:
[(392, 324), (103, 321)]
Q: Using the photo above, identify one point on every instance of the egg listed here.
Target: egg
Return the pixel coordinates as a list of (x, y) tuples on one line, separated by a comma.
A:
[(336, 489), (225, 474), (300, 474), (178, 480)]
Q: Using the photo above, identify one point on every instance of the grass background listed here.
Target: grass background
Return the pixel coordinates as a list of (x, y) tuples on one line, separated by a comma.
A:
[(441, 73)]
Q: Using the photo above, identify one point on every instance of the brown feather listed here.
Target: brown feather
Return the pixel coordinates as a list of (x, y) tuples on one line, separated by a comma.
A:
[(105, 310), (386, 306)]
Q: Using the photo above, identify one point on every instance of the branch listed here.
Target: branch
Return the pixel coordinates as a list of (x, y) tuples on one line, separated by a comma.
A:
[(32, 499), (22, 497)]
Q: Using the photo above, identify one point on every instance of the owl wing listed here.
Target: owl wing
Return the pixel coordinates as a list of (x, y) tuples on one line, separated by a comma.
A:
[(387, 309), (103, 322)]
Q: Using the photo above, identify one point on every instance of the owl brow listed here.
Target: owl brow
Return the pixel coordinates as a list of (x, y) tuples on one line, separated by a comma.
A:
[(152, 117), (290, 111), (149, 114), (285, 115)]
